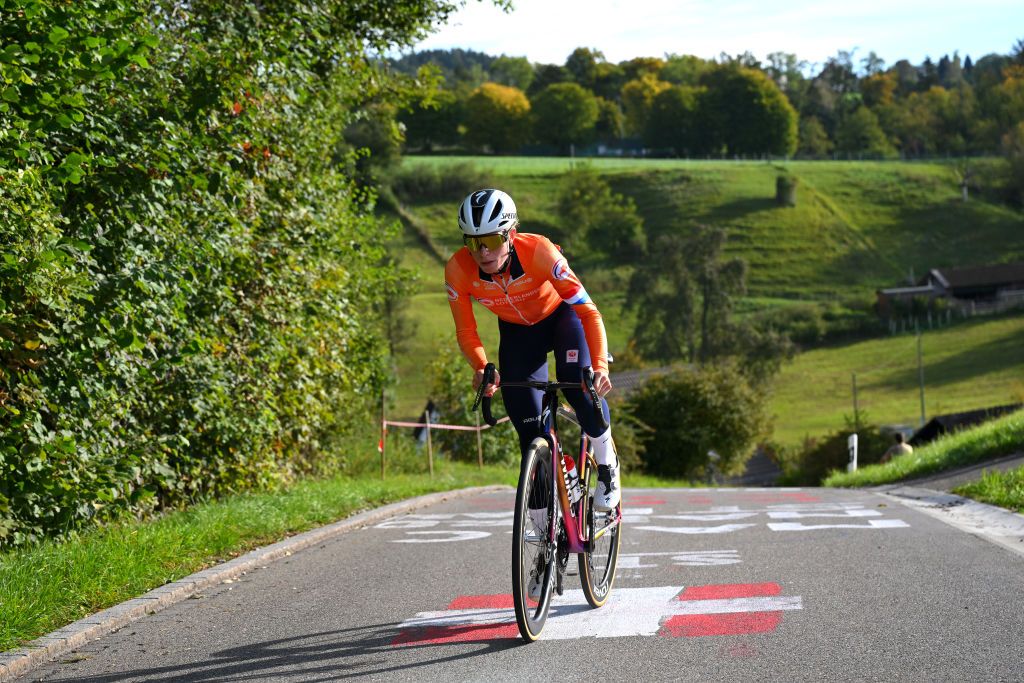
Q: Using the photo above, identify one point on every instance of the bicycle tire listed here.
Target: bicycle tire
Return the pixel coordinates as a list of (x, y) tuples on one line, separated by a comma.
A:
[(531, 548), (598, 564)]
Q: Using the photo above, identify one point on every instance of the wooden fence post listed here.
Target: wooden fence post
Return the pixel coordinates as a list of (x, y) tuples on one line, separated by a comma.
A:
[(430, 448), (479, 442), (383, 433)]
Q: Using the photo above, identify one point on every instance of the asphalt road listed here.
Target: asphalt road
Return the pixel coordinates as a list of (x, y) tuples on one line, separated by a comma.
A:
[(748, 584)]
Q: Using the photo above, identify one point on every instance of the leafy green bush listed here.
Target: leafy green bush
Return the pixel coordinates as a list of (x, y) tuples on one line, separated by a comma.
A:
[(811, 464), (427, 182), (451, 390), (596, 219), (692, 411), (191, 276)]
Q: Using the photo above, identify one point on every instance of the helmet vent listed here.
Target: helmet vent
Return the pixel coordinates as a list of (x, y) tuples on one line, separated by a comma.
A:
[(494, 214)]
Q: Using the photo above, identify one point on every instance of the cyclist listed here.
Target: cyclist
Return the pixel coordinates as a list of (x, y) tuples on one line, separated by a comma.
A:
[(541, 306)]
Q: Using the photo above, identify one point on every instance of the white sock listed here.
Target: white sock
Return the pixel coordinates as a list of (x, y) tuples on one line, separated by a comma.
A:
[(604, 449)]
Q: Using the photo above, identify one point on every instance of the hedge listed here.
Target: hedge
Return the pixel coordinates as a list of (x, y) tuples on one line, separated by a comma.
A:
[(188, 270)]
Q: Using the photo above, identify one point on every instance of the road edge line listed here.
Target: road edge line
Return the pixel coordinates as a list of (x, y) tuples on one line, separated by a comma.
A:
[(16, 663)]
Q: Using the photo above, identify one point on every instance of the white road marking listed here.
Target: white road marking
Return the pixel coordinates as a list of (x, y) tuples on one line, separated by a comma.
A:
[(452, 536), (720, 529), (872, 524), (628, 612)]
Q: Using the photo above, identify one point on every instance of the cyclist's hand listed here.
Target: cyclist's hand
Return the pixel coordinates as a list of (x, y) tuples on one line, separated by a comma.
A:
[(602, 383), (479, 377)]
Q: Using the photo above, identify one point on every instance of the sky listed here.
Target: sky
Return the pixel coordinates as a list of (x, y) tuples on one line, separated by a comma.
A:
[(547, 31)]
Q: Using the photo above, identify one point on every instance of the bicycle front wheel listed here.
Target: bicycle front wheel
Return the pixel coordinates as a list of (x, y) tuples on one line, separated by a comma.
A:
[(533, 566), (597, 565)]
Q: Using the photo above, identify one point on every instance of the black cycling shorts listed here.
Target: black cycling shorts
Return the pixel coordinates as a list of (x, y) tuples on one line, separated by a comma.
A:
[(523, 356)]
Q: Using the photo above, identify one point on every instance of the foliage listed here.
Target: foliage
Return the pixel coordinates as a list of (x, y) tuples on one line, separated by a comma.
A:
[(433, 122), (683, 292), (596, 219), (814, 140), (638, 98), (564, 114), (675, 121), (860, 133), (818, 458), (692, 411), (994, 439), (431, 183), (192, 274), (497, 118), (746, 113), (451, 390)]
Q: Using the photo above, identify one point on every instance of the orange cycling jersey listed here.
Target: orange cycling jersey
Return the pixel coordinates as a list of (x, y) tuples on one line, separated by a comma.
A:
[(535, 282)]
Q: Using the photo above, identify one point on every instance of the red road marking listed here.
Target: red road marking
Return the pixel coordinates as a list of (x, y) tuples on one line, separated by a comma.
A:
[(437, 635), (643, 500), (775, 498), (497, 601), (698, 625), (730, 590)]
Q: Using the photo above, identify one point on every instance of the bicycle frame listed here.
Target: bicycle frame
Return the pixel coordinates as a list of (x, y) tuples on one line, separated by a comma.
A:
[(574, 514)]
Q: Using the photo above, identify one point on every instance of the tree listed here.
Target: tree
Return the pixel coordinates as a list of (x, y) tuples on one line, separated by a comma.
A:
[(684, 69), (859, 133), (746, 113), (516, 72), (610, 125), (582, 66), (548, 74), (564, 114), (814, 140), (673, 121), (637, 97), (433, 122), (498, 118), (694, 411), (682, 293), (594, 218)]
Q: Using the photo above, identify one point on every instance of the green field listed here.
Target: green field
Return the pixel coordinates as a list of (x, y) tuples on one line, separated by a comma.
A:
[(972, 365), (857, 226)]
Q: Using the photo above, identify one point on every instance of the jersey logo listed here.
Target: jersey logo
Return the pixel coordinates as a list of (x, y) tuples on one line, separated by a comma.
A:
[(452, 294), (560, 270), (572, 356)]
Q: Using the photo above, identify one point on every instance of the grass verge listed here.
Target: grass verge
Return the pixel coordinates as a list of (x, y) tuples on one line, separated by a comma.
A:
[(990, 440), (54, 583), (1005, 489)]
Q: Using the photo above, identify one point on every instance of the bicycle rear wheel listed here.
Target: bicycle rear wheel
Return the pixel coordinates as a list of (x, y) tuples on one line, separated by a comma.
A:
[(597, 565), (532, 549)]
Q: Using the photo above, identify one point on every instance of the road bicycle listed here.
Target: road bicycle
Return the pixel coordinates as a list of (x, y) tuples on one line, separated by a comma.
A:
[(564, 521)]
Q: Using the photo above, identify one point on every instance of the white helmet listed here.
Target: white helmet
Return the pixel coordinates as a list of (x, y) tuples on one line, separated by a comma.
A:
[(487, 211)]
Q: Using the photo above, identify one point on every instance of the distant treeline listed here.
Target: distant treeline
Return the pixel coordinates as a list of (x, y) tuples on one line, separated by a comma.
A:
[(683, 105)]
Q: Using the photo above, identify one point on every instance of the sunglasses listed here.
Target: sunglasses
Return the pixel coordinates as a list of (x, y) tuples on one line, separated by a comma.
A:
[(492, 242)]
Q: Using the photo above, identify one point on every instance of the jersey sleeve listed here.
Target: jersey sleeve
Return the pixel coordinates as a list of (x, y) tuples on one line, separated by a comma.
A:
[(557, 271), (461, 304)]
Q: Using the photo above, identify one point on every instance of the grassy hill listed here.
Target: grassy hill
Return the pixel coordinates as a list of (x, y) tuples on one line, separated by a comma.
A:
[(857, 226)]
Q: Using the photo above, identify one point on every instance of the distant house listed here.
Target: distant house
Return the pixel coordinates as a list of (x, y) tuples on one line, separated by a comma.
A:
[(944, 424), (976, 288)]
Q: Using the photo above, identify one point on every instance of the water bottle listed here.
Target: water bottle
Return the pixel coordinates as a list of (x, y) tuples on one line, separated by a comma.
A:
[(572, 479)]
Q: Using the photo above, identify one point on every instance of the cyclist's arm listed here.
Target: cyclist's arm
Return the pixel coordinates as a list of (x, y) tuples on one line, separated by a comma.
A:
[(461, 306), (569, 287)]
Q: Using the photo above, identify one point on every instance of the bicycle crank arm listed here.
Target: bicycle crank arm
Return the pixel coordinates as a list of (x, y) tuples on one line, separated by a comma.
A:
[(603, 530)]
